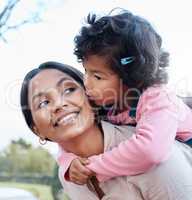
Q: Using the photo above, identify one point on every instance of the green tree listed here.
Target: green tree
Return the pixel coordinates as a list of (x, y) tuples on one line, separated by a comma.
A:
[(22, 143), (4, 163), (56, 186), (38, 160), (13, 154), (22, 158)]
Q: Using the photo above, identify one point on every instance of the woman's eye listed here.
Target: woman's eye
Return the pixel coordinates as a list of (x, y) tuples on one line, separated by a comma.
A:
[(69, 90), (97, 77), (43, 104)]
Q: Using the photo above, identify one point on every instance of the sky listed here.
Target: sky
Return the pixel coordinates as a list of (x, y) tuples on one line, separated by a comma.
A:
[(52, 39)]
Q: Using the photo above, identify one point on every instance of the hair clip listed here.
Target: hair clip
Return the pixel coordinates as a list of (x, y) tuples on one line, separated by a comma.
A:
[(127, 60)]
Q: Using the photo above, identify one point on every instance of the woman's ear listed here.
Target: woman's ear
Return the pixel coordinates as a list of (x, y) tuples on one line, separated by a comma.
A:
[(42, 140), (35, 130)]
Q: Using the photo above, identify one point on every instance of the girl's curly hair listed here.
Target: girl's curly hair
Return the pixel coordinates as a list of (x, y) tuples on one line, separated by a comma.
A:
[(120, 36)]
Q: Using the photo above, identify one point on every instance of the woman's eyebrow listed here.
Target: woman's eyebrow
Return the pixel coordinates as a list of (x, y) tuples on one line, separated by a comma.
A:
[(37, 95), (63, 80)]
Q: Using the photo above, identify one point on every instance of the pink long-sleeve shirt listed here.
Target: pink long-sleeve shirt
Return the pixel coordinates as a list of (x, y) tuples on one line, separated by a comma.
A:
[(161, 118)]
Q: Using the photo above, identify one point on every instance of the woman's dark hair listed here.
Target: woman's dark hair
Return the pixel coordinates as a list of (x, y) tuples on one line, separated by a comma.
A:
[(72, 72), (122, 36)]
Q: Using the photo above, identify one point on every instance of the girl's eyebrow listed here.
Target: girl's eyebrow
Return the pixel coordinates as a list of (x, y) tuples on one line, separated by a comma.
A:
[(98, 72), (102, 73)]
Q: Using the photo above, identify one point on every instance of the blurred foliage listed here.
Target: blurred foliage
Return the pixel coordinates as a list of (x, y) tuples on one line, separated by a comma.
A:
[(56, 186), (22, 143), (22, 162), (21, 157)]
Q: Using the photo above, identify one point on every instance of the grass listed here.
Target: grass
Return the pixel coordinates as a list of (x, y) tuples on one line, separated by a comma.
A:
[(42, 192)]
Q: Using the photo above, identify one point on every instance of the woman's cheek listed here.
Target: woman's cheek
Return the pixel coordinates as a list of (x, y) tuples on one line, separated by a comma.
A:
[(43, 118), (80, 97)]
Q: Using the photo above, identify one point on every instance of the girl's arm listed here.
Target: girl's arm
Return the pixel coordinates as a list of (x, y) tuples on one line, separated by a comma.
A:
[(73, 167), (157, 119), (64, 160), (75, 192)]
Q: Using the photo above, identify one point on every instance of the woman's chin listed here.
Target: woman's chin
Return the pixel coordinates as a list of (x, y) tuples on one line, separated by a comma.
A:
[(69, 137)]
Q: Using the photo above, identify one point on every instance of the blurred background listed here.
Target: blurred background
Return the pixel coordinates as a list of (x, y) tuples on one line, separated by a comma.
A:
[(35, 31)]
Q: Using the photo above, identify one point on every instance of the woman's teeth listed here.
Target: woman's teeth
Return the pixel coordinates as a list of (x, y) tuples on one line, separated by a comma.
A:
[(68, 119)]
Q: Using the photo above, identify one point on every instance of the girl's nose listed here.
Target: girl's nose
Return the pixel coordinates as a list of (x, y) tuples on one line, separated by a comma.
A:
[(87, 82)]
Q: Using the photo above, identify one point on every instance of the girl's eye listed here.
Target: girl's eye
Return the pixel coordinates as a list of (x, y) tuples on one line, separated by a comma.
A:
[(43, 104), (69, 90), (97, 77)]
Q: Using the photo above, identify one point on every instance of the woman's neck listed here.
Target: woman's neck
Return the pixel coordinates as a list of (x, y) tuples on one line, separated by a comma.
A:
[(87, 144)]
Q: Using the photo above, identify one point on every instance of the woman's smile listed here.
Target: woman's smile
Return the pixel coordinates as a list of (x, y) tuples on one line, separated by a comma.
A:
[(66, 119)]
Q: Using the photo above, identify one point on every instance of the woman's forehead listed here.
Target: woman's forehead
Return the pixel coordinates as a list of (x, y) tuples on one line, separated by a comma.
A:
[(51, 73), (51, 76)]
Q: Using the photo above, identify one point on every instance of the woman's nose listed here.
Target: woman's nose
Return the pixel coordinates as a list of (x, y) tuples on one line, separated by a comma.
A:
[(59, 104), (59, 108)]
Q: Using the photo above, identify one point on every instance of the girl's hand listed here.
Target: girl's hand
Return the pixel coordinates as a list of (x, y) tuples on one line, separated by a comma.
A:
[(78, 172)]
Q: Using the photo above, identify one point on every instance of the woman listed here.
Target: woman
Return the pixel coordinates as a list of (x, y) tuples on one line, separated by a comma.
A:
[(55, 108)]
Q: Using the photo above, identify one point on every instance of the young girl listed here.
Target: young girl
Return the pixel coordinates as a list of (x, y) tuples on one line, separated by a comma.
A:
[(125, 66), (55, 108)]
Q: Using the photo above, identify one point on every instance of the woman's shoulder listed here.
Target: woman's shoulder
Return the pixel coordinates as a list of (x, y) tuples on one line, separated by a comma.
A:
[(107, 126), (114, 134)]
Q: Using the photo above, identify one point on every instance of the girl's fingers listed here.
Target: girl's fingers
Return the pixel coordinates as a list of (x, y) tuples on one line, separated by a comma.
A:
[(84, 161), (83, 170), (79, 179)]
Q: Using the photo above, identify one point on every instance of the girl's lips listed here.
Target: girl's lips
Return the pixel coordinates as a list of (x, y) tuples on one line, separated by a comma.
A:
[(91, 97)]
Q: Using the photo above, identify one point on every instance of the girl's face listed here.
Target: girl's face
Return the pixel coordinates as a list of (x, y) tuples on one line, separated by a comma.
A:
[(102, 84), (59, 107)]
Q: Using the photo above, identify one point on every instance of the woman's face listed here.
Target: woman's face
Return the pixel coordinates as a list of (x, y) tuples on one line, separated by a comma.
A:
[(59, 107)]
